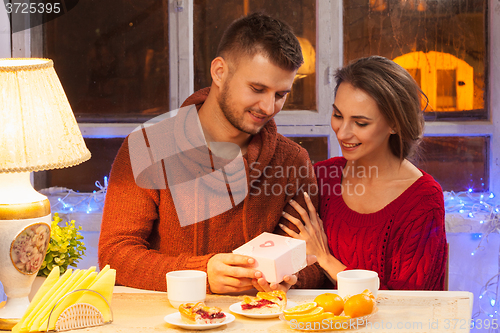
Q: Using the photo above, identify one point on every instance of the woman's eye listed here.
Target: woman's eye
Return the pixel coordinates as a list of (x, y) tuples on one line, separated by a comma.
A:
[(337, 116), (361, 124)]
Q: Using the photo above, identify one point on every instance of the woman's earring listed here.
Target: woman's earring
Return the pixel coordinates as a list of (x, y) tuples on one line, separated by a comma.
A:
[(393, 132)]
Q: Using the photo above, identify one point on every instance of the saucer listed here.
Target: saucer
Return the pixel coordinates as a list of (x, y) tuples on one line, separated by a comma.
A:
[(236, 308), (175, 319)]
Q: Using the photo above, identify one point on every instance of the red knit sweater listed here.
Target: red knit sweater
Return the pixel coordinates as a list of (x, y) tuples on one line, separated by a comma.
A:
[(141, 234), (405, 242)]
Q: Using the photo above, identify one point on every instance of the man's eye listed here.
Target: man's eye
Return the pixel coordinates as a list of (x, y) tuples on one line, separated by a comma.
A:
[(280, 95), (257, 90)]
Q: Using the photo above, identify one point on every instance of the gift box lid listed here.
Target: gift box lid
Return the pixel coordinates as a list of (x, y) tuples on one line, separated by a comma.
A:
[(269, 245)]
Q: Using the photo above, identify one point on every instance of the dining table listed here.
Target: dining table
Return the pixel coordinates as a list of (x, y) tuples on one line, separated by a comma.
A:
[(137, 311)]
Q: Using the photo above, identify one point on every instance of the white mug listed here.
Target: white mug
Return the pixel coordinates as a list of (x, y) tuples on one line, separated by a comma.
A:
[(188, 286), (355, 281)]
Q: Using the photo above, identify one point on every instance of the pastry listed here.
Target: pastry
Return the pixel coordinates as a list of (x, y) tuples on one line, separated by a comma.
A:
[(199, 313), (265, 302)]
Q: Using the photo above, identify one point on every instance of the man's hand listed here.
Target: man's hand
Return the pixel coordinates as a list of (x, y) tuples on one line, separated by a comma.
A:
[(261, 284), (228, 272)]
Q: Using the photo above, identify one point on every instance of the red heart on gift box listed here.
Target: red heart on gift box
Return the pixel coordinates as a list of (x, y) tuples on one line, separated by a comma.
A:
[(267, 244)]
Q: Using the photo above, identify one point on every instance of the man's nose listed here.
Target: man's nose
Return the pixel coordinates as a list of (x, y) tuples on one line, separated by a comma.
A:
[(267, 104)]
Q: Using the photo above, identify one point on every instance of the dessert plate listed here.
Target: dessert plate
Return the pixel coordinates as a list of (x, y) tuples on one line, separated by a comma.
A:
[(236, 308), (329, 325), (175, 319)]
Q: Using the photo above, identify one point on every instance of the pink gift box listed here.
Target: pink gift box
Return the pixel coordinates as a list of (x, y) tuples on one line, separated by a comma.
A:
[(276, 255)]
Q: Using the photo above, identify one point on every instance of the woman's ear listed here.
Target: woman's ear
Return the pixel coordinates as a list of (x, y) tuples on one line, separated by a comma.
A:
[(218, 69)]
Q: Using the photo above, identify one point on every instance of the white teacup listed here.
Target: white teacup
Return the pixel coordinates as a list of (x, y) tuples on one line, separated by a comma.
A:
[(188, 286), (356, 281)]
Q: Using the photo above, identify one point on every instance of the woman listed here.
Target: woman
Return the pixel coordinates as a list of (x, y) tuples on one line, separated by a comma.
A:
[(378, 211)]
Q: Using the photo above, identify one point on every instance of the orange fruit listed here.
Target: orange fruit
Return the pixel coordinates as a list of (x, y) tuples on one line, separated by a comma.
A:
[(359, 305), (315, 317), (301, 308), (305, 316), (331, 303)]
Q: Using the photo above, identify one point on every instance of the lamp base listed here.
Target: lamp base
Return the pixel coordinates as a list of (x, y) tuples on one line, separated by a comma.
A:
[(23, 244), (8, 324), (13, 307), (24, 237)]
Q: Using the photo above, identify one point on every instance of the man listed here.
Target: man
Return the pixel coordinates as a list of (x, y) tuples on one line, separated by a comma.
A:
[(143, 235)]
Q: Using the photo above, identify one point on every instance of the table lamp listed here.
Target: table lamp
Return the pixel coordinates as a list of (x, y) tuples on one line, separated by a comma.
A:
[(38, 131)]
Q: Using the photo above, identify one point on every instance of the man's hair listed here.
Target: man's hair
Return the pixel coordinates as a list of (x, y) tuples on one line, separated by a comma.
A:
[(398, 97), (260, 33)]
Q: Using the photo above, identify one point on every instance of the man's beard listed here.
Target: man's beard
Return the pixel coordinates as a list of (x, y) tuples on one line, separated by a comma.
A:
[(231, 114)]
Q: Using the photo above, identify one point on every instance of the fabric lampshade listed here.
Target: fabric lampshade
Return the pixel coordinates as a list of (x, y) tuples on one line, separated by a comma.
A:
[(38, 128)]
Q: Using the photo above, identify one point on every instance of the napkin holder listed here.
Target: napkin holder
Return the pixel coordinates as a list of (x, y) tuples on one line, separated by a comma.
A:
[(79, 315)]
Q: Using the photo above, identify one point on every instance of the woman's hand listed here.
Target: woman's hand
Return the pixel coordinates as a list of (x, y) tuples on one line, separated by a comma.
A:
[(311, 231)]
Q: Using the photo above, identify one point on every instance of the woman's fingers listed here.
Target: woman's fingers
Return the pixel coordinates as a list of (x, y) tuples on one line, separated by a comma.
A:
[(289, 231), (294, 220), (302, 212), (309, 204), (312, 211)]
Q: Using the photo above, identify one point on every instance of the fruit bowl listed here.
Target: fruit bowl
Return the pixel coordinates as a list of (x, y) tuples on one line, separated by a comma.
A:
[(329, 324)]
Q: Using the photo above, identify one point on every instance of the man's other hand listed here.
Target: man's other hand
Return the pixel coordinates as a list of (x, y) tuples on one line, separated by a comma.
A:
[(261, 283), (228, 272)]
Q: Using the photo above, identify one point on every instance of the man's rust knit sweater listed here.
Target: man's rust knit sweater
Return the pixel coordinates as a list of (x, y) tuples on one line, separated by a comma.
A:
[(142, 238)]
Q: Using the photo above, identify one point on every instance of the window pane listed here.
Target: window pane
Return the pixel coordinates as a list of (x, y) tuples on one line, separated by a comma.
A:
[(112, 58), (457, 163), (316, 146), (300, 15), (441, 43), (82, 177)]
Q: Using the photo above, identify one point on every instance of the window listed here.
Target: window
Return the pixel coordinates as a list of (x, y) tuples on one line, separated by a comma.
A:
[(466, 156), (442, 44), (152, 58), (444, 40), (300, 15), (112, 63)]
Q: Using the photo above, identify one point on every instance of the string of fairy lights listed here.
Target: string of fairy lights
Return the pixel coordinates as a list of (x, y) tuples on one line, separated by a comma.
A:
[(69, 201), (480, 208), (483, 209)]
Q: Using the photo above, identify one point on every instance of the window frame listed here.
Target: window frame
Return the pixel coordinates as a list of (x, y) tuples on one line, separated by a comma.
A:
[(329, 27)]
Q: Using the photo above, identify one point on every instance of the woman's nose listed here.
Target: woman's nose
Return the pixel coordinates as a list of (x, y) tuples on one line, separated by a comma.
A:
[(344, 131)]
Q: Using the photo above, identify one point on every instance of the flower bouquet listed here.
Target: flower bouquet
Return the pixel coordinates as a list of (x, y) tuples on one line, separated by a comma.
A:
[(65, 247)]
